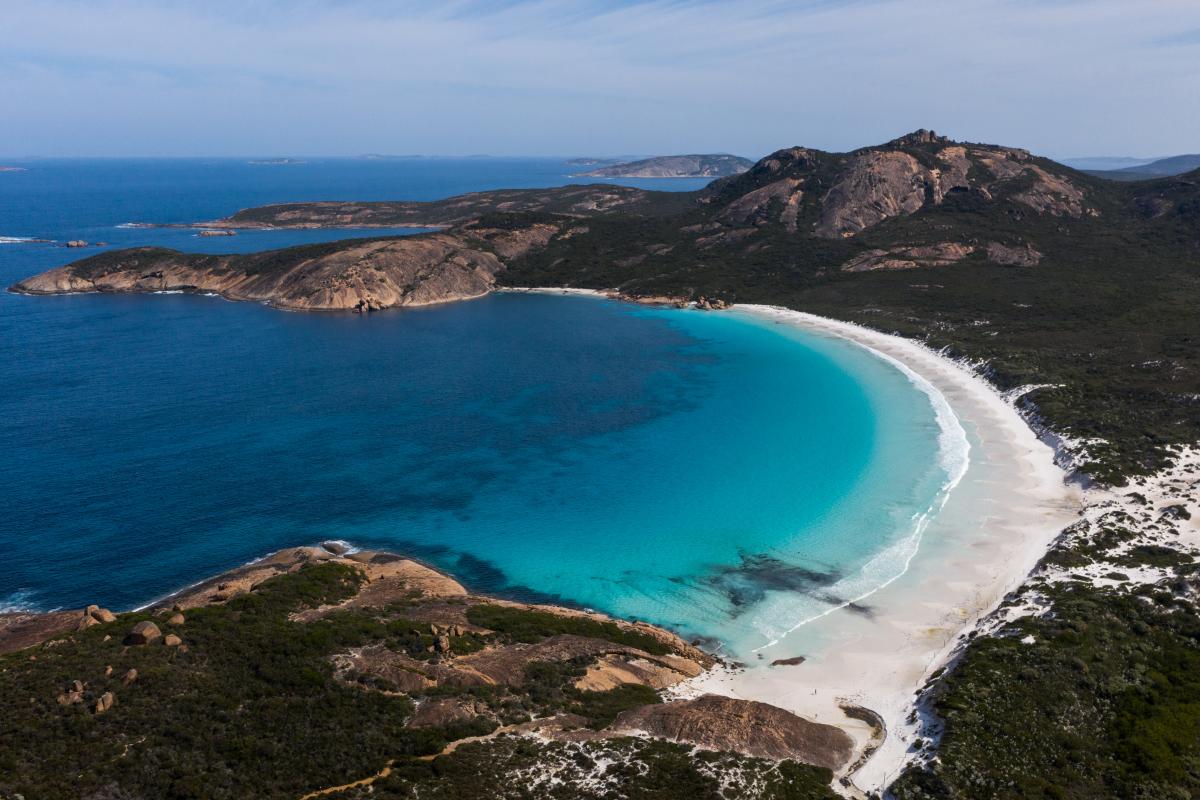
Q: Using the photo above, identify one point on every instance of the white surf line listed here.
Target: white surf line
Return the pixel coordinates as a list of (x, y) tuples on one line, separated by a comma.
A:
[(953, 446)]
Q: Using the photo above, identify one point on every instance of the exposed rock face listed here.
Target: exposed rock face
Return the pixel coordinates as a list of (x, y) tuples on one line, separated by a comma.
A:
[(612, 670), (932, 255), (365, 276), (22, 629), (744, 726), (506, 665), (753, 207), (1020, 256), (876, 185), (389, 578), (436, 713)]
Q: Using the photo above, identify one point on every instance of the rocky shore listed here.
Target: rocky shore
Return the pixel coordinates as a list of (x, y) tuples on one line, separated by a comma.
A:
[(465, 662)]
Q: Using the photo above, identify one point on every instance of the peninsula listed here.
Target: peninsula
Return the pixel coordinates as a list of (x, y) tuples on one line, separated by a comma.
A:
[(336, 661), (691, 166)]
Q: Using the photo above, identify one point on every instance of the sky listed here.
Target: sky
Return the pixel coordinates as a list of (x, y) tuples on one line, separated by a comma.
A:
[(547, 77)]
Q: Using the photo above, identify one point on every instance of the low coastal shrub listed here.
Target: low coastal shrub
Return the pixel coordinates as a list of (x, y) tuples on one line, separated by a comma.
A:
[(523, 625), (1104, 703)]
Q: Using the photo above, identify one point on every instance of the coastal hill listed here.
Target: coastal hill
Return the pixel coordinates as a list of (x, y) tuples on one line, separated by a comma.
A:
[(316, 671), (717, 165)]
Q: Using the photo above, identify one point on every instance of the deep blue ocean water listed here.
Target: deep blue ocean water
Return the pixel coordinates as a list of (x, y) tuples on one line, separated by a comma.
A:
[(678, 466)]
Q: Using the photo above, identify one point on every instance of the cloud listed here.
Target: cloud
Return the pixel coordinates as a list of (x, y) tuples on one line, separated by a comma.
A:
[(546, 76)]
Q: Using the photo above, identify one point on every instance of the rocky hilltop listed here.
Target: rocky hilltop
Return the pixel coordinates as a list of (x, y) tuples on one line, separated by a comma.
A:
[(316, 668), (689, 166)]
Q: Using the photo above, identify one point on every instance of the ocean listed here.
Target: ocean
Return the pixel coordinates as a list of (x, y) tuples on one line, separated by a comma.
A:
[(720, 473)]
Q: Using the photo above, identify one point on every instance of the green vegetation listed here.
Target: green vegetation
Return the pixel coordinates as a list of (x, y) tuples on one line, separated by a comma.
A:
[(250, 706), (521, 625), (625, 769), (1104, 703)]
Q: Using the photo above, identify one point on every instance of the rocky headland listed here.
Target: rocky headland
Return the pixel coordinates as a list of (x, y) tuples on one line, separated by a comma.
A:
[(369, 630)]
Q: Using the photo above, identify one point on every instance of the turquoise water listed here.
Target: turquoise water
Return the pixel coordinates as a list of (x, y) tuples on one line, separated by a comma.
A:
[(717, 472)]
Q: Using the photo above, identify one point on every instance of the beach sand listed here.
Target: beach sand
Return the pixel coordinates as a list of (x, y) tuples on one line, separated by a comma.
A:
[(1010, 505)]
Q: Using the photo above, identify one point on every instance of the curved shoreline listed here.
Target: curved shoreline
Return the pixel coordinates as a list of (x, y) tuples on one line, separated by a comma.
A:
[(955, 454), (1010, 505), (1006, 510)]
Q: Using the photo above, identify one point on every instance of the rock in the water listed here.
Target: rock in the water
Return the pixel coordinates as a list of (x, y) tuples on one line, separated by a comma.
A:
[(171, 640), (335, 547), (143, 633), (742, 726), (77, 243), (788, 662)]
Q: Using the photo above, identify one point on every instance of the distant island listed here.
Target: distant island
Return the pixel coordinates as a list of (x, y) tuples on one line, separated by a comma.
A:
[(690, 166), (12, 169), (590, 162), (1162, 168), (278, 162)]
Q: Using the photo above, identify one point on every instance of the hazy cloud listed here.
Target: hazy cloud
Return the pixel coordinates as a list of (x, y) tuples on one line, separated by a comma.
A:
[(543, 76)]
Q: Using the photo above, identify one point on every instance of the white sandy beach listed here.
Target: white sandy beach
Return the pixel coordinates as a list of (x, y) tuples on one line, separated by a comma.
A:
[(996, 524)]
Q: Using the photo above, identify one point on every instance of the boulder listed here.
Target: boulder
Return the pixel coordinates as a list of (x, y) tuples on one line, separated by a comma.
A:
[(442, 644), (129, 677), (108, 671), (176, 619), (143, 633), (101, 614), (171, 640), (85, 622), (77, 243), (105, 702)]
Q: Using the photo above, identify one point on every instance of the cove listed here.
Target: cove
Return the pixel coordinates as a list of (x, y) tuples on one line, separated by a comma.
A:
[(687, 468)]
